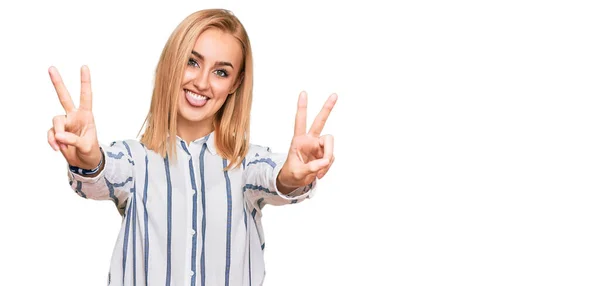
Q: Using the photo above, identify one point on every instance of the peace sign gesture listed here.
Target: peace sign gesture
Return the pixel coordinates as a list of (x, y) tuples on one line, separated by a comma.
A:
[(310, 154), (74, 133)]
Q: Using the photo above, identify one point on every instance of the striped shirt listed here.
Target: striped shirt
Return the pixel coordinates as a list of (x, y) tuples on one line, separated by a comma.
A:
[(187, 221)]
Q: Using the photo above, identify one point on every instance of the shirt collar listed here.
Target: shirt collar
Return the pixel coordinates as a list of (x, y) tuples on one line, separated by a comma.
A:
[(210, 143), (208, 139)]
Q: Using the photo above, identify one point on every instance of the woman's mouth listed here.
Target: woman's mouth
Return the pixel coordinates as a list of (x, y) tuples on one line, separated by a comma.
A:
[(195, 99)]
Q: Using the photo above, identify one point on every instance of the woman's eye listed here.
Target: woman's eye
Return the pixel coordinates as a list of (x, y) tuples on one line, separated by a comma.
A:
[(192, 62), (221, 73)]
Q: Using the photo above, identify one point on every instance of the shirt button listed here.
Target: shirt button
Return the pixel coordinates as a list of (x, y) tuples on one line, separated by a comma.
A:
[(192, 232), (191, 273)]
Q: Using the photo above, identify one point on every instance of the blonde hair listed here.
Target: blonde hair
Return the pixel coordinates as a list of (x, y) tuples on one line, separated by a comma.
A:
[(232, 120)]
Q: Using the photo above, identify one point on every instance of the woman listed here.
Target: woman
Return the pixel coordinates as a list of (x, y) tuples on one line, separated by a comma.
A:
[(192, 188)]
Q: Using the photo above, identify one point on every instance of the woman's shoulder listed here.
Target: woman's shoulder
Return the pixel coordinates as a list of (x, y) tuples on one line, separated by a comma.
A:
[(258, 148), (125, 145), (125, 142)]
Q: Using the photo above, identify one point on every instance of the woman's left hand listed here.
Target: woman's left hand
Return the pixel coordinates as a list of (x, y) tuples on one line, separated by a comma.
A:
[(311, 154)]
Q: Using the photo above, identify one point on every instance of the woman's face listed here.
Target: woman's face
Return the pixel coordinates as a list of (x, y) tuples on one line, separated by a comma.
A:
[(210, 76)]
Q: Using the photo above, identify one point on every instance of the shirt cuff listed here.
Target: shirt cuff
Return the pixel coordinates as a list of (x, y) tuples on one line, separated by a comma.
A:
[(89, 179), (300, 193)]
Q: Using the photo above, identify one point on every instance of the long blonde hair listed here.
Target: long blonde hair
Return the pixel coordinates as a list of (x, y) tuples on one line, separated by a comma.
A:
[(232, 121)]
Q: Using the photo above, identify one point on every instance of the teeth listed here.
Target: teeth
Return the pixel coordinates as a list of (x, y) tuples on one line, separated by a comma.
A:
[(196, 96)]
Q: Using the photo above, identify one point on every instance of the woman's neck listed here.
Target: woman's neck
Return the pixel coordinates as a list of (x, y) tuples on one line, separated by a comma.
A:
[(190, 130)]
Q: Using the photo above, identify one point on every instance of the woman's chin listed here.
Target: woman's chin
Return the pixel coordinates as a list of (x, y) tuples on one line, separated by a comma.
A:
[(192, 116)]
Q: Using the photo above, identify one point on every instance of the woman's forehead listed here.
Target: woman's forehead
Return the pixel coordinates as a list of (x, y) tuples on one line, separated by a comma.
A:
[(214, 45)]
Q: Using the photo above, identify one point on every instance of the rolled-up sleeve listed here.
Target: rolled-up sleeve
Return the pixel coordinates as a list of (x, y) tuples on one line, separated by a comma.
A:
[(114, 182), (261, 168)]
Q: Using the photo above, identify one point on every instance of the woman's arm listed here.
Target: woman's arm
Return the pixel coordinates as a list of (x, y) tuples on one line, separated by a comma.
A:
[(95, 172), (273, 178)]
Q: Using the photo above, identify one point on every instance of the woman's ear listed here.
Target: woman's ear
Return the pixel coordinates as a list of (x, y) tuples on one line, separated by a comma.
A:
[(237, 84)]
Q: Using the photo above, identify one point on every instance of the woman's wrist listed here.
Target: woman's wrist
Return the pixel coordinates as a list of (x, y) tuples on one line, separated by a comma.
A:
[(89, 172)]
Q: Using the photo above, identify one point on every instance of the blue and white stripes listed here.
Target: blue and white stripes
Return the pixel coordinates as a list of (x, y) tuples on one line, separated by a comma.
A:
[(195, 223)]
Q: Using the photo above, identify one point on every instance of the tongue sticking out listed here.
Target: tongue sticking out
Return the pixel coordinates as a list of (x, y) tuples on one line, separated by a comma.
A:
[(195, 99)]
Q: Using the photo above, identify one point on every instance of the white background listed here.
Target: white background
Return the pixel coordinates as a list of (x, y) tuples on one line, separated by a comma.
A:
[(466, 136)]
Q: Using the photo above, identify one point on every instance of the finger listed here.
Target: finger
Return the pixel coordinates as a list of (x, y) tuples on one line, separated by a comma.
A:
[(300, 127), (326, 142), (52, 140), (68, 138), (323, 172), (58, 123), (316, 165), (86, 89), (61, 90), (321, 118)]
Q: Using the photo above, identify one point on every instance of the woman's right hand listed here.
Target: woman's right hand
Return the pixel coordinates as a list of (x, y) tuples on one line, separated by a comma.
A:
[(74, 133)]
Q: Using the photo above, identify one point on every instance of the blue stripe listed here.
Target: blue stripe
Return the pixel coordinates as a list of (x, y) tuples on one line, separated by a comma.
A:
[(120, 154), (249, 247), (111, 189), (127, 147), (228, 253), (144, 201), (258, 188), (79, 190), (133, 219), (169, 220), (244, 163), (118, 185), (202, 189), (115, 156), (260, 201), (184, 147), (128, 152), (194, 218), (126, 239), (264, 160), (254, 219)]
